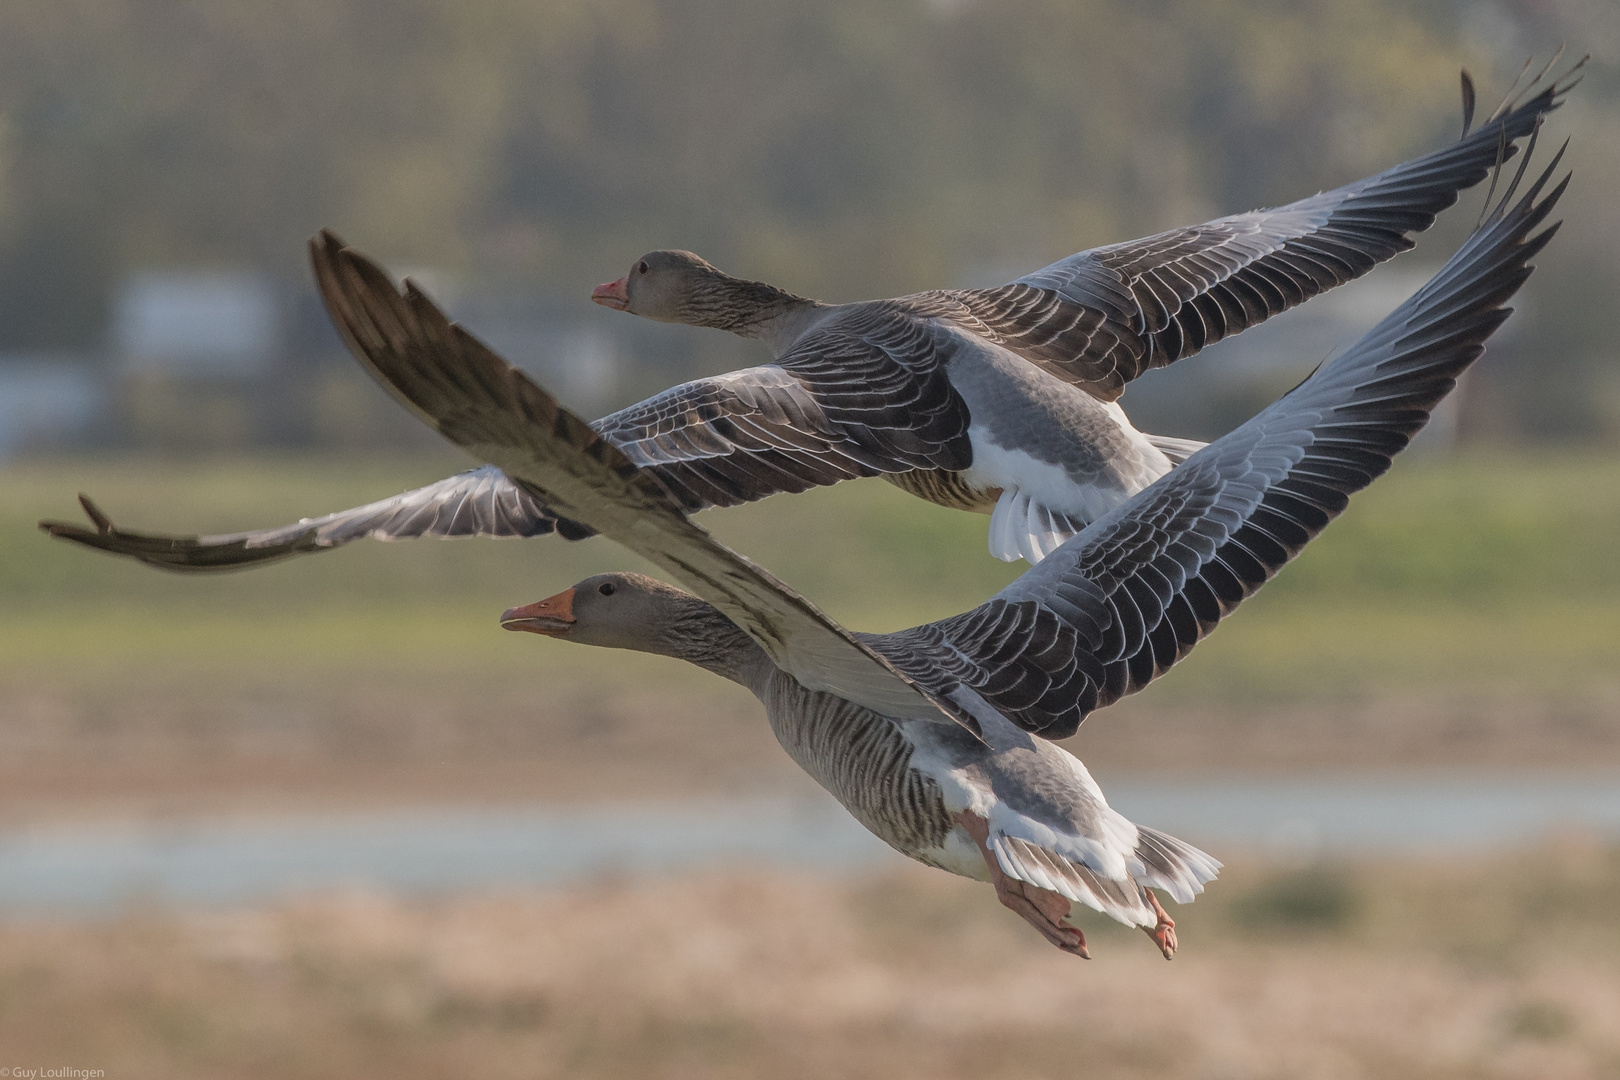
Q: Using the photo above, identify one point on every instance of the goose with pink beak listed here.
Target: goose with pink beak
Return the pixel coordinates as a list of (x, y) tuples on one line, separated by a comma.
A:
[(1003, 401)]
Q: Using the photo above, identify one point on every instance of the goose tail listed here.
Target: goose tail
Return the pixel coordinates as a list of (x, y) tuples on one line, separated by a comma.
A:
[(1162, 861), (1021, 528), (1177, 450), (1159, 861)]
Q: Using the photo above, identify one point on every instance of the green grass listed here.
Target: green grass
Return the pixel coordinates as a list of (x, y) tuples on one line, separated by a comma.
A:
[(1480, 570), (1480, 530)]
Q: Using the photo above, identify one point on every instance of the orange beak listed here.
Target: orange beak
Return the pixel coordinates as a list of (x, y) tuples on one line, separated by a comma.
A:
[(551, 616), (613, 294)]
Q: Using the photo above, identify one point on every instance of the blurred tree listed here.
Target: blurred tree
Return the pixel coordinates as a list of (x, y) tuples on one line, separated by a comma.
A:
[(838, 147)]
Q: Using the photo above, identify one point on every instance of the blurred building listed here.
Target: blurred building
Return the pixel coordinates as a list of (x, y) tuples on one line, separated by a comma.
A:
[(190, 355), (198, 324), (215, 359), (50, 402)]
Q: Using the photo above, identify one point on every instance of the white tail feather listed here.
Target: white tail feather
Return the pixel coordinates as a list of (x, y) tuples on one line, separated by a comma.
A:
[(1172, 865), (1160, 861), (1021, 528), (1177, 450)]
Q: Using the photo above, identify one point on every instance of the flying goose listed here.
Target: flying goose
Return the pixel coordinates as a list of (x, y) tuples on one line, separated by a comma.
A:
[(936, 738), (995, 400)]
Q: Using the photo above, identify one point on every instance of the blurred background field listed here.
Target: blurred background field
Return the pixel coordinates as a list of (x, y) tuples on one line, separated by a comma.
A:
[(1455, 636), (1461, 620), (1466, 612), (160, 169)]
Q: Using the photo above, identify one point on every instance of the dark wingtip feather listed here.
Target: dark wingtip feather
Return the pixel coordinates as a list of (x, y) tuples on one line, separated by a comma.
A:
[(1551, 96), (1468, 102), (1518, 176), (1511, 97), (323, 248), (1528, 206), (1548, 66), (1570, 79), (1502, 152), (102, 522)]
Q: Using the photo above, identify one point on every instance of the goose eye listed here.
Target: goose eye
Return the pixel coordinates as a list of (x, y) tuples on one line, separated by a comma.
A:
[(607, 588), (641, 267)]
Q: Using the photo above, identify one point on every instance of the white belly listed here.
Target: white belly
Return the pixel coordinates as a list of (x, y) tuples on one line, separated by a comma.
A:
[(1050, 447), (1042, 505)]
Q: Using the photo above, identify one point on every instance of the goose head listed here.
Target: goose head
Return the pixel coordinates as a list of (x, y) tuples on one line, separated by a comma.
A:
[(616, 611), (680, 287), (661, 286), (633, 611)]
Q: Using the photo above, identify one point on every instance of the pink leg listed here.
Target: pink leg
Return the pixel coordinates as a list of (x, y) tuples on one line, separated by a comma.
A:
[(1164, 934), (1043, 909)]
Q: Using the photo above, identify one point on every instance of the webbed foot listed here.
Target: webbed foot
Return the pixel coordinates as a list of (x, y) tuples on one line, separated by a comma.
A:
[(1043, 909), (1164, 934)]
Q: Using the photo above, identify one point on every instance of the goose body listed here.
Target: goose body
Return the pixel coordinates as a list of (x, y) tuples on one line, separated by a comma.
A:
[(1001, 401), (916, 785), (922, 787)]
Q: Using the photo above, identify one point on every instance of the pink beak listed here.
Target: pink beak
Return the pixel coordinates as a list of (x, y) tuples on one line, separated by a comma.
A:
[(613, 294)]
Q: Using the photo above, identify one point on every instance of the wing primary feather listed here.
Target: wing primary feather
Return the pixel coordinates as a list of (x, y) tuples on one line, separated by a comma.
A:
[(1468, 102), (102, 522)]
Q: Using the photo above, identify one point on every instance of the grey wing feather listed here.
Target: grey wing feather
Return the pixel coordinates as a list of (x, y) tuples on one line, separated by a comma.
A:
[(480, 502), (1104, 316), (1130, 596), (866, 397)]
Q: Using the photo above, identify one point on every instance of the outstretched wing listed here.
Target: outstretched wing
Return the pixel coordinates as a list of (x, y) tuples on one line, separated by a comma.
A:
[(1102, 317), (864, 398), (491, 409), (479, 502), (1121, 602)]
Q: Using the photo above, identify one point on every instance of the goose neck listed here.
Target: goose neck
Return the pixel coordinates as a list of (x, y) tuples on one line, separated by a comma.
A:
[(701, 635), (750, 309)]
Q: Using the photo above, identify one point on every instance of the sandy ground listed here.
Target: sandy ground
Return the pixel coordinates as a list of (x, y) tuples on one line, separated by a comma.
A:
[(1508, 968)]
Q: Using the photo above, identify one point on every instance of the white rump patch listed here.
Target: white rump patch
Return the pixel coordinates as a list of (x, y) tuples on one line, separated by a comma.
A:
[(1021, 528)]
